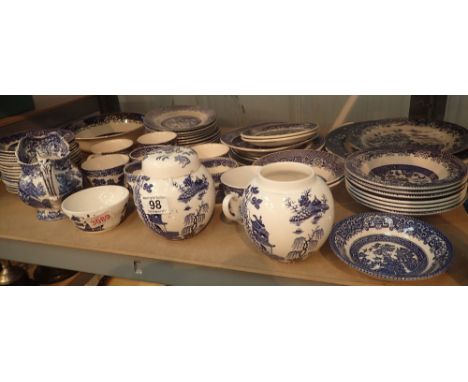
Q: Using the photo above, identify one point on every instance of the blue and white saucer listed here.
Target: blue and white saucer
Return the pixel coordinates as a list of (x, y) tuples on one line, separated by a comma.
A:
[(391, 247)]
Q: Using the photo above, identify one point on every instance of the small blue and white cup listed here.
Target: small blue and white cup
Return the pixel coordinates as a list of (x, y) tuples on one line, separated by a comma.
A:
[(234, 182), (131, 172), (103, 170), (217, 167)]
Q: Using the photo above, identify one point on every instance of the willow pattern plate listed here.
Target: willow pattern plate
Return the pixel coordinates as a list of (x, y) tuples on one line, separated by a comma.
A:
[(391, 247), (403, 133), (234, 141), (409, 169), (179, 118)]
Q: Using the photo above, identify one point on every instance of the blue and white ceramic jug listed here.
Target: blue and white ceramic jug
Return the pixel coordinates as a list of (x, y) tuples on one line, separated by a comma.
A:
[(175, 195), (47, 173)]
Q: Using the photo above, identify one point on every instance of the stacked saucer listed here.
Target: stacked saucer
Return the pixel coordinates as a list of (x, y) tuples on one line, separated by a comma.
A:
[(278, 134), (409, 182), (9, 167), (192, 124), (246, 150)]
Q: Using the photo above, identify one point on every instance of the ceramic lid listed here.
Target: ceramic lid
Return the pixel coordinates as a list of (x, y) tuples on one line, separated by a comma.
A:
[(170, 162)]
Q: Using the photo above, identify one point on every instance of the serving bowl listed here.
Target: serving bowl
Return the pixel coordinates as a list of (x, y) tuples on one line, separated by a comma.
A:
[(100, 128), (97, 209)]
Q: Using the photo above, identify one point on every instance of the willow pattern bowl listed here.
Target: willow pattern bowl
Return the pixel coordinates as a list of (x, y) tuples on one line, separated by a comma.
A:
[(97, 209), (140, 153), (105, 169), (407, 169), (391, 247), (131, 171)]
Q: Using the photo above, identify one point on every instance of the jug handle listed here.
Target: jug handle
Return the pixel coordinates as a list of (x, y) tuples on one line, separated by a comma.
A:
[(227, 210)]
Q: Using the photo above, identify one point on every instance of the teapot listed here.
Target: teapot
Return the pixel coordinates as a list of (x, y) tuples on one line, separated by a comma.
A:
[(47, 173), (287, 211), (174, 193)]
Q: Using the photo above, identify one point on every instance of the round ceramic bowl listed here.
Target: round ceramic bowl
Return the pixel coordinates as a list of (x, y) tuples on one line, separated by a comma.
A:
[(211, 150), (105, 169), (391, 247), (140, 153), (97, 209), (131, 171), (107, 126), (158, 138), (237, 179), (217, 167), (112, 146)]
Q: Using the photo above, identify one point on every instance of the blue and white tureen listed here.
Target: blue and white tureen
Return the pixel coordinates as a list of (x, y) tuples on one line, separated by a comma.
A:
[(175, 193)]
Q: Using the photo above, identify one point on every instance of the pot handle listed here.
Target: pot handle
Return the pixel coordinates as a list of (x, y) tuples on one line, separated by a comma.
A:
[(230, 204)]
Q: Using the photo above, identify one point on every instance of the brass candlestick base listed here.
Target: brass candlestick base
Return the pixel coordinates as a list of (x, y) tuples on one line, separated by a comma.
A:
[(10, 273)]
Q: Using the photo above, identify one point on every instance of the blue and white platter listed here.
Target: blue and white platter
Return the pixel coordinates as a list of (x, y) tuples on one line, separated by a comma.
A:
[(406, 169), (391, 247), (398, 133), (326, 165)]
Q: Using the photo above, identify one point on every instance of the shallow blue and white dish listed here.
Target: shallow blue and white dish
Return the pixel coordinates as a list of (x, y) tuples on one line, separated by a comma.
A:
[(407, 169), (402, 133), (391, 247), (328, 166), (179, 118), (272, 130)]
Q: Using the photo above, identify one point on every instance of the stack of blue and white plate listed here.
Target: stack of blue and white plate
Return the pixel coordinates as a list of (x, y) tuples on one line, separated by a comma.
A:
[(9, 167), (409, 182), (192, 124), (253, 142)]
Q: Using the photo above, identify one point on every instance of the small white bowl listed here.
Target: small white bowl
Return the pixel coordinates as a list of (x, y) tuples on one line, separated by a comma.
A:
[(112, 146), (158, 138), (97, 209), (211, 150)]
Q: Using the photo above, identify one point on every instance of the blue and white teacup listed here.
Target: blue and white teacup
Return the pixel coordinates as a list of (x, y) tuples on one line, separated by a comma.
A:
[(217, 167), (105, 169), (236, 180), (131, 172)]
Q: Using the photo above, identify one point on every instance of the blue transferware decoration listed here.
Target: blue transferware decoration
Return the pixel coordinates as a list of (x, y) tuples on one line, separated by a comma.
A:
[(173, 193), (140, 153), (391, 247), (218, 166), (179, 118), (103, 170), (287, 211), (47, 173), (409, 169), (397, 133)]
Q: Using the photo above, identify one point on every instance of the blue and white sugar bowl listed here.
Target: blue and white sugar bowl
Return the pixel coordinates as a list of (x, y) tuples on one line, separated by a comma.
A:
[(287, 211), (174, 194)]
